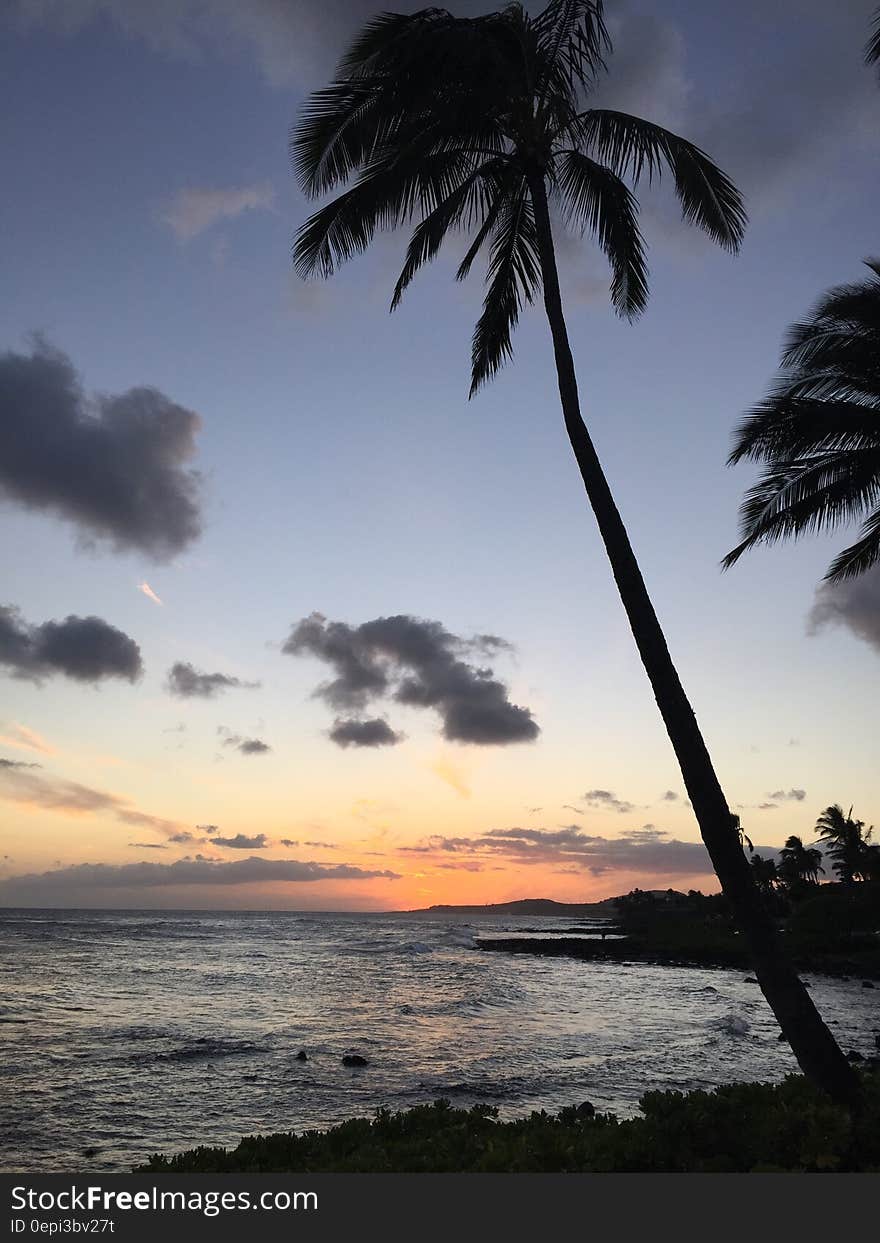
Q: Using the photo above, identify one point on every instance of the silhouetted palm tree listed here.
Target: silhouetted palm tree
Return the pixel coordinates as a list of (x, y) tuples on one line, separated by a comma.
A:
[(848, 844), (480, 124), (764, 873), (819, 432), (799, 864)]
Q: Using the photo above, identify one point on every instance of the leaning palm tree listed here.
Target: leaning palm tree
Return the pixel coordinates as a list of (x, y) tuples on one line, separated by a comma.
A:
[(819, 432), (481, 124)]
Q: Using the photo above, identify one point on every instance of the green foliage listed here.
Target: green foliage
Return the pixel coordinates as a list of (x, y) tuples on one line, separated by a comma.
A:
[(739, 1128)]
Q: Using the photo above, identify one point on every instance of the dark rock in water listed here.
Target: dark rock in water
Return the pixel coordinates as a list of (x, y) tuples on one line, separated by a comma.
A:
[(354, 1059), (586, 1109), (854, 1056), (750, 979), (302, 1056), (90, 1152), (781, 1036), (867, 984)]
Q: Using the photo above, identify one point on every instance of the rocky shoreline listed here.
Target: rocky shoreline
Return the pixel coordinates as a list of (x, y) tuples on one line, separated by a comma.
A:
[(626, 950)]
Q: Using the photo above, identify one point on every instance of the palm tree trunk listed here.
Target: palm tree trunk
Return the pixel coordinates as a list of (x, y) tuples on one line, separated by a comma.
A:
[(812, 1043)]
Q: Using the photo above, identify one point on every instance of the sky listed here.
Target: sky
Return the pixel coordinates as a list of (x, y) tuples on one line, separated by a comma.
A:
[(288, 622)]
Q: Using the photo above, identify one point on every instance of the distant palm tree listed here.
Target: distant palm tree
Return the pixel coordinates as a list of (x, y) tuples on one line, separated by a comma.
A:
[(848, 846), (765, 873), (819, 432), (480, 124), (799, 864)]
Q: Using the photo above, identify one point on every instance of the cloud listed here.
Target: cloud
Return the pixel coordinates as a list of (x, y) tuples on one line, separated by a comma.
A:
[(85, 649), (288, 841), (292, 41), (25, 739), (145, 589), (149, 845), (767, 806), (191, 211), (189, 683), (93, 878), (606, 800), (372, 733), (322, 845), (55, 794), (794, 796), (114, 466), (854, 604), (242, 842), (18, 764), (247, 746), (649, 850), (669, 797), (418, 663)]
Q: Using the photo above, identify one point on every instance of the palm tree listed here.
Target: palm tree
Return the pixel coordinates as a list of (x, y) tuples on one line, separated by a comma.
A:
[(799, 864), (819, 432), (480, 124), (764, 873), (849, 846)]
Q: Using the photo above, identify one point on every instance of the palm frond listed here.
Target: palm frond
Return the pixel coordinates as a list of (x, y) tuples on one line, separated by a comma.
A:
[(631, 146), (592, 197), (860, 556), (513, 278), (872, 48), (471, 198), (815, 494), (572, 37), (386, 195)]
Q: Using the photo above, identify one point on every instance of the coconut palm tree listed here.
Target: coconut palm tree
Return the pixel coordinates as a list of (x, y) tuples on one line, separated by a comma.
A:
[(848, 844), (481, 124), (799, 864), (819, 432), (765, 873)]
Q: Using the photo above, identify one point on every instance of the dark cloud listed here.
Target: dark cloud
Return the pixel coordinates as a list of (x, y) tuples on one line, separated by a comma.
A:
[(18, 764), (247, 746), (288, 841), (242, 842), (418, 663), (185, 836), (113, 466), (149, 845), (322, 845), (854, 604), (85, 649), (371, 733), (793, 796), (85, 878), (649, 850), (189, 683), (669, 797), (607, 800), (767, 806)]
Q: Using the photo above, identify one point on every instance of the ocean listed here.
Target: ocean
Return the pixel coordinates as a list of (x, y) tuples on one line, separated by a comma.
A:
[(125, 1033)]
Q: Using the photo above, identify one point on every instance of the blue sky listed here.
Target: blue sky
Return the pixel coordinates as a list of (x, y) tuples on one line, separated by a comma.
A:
[(344, 470)]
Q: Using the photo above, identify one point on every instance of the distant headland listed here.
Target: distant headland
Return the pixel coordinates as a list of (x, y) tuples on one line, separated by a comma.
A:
[(524, 906)]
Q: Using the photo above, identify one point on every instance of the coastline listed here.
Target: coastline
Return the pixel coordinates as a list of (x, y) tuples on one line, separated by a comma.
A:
[(625, 950)]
